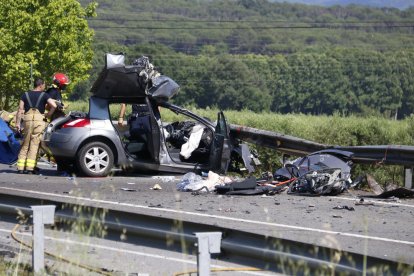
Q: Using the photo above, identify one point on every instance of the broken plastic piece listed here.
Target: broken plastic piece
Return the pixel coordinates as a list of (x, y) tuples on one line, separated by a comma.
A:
[(339, 207), (156, 187), (128, 190)]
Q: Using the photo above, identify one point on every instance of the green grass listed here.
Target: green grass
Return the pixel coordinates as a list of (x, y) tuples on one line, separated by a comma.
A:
[(9, 268)]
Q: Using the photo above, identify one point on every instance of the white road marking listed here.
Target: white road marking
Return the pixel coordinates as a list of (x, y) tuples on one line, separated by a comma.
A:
[(220, 217)]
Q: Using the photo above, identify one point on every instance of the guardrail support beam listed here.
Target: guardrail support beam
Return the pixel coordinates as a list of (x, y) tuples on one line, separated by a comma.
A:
[(408, 179), (42, 215), (208, 242)]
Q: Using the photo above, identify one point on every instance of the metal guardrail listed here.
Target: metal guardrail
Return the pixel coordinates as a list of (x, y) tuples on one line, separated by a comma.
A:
[(385, 154), (248, 249)]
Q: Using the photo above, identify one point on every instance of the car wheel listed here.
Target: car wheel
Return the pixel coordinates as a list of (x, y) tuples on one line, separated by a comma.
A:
[(95, 159)]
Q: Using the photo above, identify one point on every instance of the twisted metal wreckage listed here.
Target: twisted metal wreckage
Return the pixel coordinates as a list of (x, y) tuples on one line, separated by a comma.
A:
[(319, 170), (324, 169)]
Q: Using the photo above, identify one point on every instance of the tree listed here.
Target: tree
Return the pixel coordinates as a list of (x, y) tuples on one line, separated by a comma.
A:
[(230, 84), (45, 36)]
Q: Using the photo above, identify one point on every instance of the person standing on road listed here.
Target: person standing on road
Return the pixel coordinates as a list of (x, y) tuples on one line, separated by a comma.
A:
[(59, 83), (32, 108)]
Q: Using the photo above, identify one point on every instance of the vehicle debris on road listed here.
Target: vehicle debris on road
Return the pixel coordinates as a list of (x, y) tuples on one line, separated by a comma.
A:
[(344, 207), (326, 173)]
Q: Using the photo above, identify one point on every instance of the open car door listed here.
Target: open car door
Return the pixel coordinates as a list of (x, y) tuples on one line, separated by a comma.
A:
[(220, 151)]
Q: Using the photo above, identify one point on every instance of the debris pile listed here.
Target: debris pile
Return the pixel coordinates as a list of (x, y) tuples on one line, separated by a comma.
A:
[(326, 172)]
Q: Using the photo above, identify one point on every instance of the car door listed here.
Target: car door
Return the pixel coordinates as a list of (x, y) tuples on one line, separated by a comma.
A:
[(155, 136), (220, 151)]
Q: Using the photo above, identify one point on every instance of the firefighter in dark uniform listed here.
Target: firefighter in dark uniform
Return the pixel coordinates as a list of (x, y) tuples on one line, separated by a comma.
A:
[(139, 121), (59, 83), (31, 109)]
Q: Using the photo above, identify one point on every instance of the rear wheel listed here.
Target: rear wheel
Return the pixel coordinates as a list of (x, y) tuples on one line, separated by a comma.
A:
[(95, 159)]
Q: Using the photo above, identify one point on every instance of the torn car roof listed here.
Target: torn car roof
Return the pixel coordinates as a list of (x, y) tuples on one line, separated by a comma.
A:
[(117, 81)]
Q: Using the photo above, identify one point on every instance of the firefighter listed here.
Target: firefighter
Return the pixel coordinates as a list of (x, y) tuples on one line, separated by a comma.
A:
[(59, 83), (32, 108), (139, 121)]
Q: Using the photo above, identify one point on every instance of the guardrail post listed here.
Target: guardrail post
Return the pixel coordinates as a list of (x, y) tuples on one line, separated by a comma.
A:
[(42, 215), (208, 242), (408, 179)]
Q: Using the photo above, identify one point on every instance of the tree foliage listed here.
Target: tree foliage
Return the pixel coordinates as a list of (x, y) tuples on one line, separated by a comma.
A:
[(251, 26), (39, 38)]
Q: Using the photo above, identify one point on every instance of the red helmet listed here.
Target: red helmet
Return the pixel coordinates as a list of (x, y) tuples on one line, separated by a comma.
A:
[(60, 80)]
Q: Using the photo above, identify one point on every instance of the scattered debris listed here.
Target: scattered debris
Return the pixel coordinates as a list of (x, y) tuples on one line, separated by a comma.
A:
[(164, 178), (374, 186), (192, 182), (156, 187), (340, 207), (234, 187), (363, 202), (128, 189), (391, 187), (397, 193), (155, 206), (392, 191), (320, 173)]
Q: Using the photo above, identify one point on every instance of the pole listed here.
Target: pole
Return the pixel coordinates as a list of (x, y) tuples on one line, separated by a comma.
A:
[(208, 242), (41, 215)]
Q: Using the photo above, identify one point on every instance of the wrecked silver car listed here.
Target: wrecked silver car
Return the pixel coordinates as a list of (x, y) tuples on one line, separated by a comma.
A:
[(92, 143)]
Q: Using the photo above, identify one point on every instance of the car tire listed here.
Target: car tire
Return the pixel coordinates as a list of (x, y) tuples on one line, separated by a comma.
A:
[(95, 159)]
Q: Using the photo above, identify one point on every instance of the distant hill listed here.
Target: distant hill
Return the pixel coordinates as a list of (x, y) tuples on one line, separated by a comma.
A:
[(400, 4), (251, 26)]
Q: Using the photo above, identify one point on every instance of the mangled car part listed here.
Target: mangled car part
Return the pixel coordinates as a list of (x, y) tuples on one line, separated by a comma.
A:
[(317, 161), (138, 80), (326, 172), (321, 182)]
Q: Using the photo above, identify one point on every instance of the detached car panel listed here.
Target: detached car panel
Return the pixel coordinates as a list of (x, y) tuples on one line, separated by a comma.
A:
[(133, 81), (92, 144)]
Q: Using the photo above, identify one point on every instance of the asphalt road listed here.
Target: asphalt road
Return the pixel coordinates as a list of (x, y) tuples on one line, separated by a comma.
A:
[(379, 228)]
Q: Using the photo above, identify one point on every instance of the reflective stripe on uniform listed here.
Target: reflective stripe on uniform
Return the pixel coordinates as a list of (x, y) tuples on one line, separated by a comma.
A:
[(30, 164), (21, 163)]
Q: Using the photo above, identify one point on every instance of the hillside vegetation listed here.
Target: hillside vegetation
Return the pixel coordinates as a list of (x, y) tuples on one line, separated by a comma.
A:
[(400, 4), (262, 56)]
